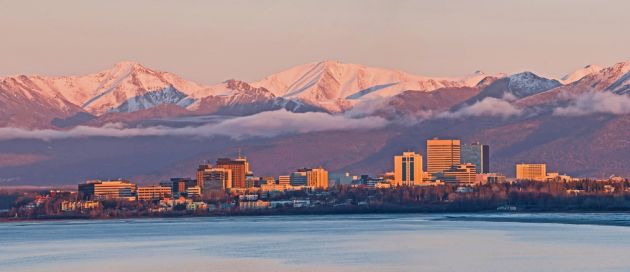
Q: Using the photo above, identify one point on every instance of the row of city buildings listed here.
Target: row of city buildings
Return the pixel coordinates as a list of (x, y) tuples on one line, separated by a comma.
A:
[(227, 174), (450, 161), (447, 161)]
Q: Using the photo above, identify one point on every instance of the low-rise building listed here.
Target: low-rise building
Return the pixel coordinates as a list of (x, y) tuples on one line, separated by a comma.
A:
[(278, 187), (253, 205), (485, 178), (153, 192), (194, 191), (284, 180), (462, 173), (110, 189), (531, 171)]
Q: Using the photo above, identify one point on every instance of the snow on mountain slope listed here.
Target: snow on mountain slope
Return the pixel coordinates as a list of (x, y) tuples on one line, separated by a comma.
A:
[(328, 86), (527, 83), (580, 73), (621, 73), (334, 85), (615, 78), (128, 86), (23, 105), (513, 87)]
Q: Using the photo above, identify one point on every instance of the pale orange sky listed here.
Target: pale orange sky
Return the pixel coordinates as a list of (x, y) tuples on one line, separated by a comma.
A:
[(210, 41)]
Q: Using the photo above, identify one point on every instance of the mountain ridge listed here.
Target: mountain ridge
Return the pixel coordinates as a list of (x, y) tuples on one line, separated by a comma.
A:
[(519, 120)]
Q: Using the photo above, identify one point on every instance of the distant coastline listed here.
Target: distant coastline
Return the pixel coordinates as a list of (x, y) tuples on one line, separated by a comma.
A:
[(451, 213)]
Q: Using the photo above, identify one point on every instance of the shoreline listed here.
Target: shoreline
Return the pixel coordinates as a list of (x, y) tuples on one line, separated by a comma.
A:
[(449, 215)]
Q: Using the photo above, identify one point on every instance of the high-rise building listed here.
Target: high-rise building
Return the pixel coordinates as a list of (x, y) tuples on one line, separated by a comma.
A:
[(528, 171), (201, 172), (215, 179), (442, 155), (477, 154), (317, 178), (239, 168), (110, 189), (408, 169)]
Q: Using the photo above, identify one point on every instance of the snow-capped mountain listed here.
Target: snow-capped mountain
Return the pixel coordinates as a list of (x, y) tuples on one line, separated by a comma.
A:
[(329, 86), (336, 86), (126, 87), (580, 73), (615, 78), (240, 98), (512, 88), (527, 83), (23, 104)]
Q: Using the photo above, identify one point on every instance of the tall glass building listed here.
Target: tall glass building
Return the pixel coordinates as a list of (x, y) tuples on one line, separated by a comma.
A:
[(477, 154)]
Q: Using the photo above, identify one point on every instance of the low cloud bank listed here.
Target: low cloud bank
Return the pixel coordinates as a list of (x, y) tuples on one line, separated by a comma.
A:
[(489, 107), (282, 122), (266, 124), (596, 102)]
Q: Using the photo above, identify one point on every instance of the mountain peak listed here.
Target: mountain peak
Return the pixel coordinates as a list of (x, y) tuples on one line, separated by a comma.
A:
[(580, 73), (128, 66), (331, 62), (127, 63), (527, 83), (524, 74)]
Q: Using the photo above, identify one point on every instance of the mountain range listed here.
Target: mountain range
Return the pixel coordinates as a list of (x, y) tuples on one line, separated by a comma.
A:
[(134, 122)]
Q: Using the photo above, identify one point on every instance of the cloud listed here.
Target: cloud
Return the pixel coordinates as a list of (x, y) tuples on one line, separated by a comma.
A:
[(266, 124), (489, 106), (596, 102)]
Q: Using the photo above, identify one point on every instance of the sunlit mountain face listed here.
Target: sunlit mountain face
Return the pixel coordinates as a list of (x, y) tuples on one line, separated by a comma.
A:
[(136, 122)]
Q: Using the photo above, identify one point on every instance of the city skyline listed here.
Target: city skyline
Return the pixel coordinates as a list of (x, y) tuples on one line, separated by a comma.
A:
[(321, 135), (447, 161)]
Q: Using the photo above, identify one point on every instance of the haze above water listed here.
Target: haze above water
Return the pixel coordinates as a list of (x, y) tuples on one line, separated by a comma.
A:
[(322, 243)]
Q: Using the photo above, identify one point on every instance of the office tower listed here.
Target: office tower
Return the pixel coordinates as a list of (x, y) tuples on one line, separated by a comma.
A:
[(200, 174), (317, 177), (477, 154), (527, 171), (408, 169), (284, 180), (463, 173), (298, 178), (442, 155), (216, 179), (239, 168), (111, 189)]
